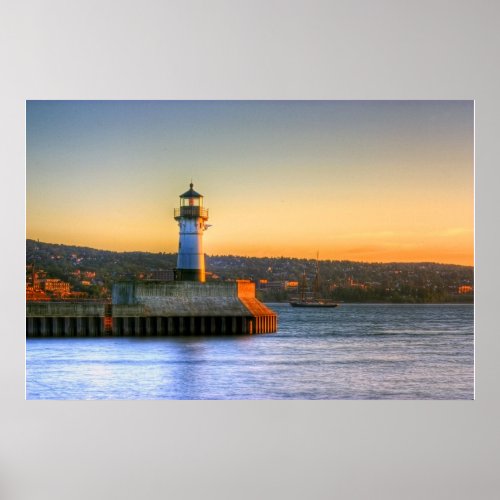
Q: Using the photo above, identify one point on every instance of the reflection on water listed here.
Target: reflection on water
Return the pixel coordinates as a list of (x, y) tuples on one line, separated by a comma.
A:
[(352, 352)]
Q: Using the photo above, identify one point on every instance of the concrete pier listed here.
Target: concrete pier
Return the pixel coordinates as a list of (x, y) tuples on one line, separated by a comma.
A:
[(156, 309)]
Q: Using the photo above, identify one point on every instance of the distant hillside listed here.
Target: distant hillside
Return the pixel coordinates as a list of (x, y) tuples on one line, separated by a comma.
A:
[(342, 280)]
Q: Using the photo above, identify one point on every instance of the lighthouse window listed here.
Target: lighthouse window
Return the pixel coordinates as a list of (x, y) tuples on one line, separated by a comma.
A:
[(190, 202)]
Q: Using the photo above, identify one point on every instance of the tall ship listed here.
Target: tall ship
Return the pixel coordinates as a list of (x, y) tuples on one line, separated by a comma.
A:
[(306, 299)]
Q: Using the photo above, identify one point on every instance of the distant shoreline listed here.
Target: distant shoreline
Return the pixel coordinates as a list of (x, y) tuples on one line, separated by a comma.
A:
[(91, 273)]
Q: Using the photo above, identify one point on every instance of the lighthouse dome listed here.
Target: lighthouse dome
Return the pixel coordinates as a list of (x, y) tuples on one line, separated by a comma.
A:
[(191, 193)]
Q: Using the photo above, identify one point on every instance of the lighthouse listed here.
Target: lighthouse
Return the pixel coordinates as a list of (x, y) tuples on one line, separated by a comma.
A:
[(191, 217)]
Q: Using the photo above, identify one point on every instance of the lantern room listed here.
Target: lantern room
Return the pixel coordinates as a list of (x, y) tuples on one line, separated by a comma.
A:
[(191, 205), (191, 198)]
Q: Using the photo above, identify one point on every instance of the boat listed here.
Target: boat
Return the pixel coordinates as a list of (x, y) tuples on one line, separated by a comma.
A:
[(314, 301)]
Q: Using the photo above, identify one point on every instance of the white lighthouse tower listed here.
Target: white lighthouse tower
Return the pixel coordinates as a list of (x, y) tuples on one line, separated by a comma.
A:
[(191, 217)]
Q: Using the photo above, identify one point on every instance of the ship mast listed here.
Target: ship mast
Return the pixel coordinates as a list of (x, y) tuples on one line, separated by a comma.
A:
[(316, 278), (303, 285)]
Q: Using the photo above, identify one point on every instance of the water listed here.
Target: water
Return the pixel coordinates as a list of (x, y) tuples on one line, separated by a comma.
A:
[(355, 351)]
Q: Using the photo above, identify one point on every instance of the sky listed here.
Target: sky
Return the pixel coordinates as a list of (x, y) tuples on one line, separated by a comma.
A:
[(371, 181)]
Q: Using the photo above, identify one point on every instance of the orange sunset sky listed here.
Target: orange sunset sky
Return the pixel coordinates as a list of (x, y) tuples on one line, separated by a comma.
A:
[(373, 181)]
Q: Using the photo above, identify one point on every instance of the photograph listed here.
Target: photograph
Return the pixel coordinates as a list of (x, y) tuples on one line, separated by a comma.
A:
[(250, 250)]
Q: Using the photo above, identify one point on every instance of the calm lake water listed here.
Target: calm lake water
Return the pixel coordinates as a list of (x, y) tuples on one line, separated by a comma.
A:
[(355, 351)]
